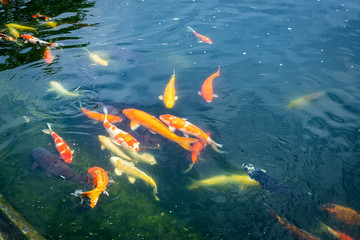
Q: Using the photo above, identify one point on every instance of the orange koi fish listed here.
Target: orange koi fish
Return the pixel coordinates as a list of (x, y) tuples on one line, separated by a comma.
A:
[(119, 136), (61, 146), (169, 97), (48, 56), (197, 147), (139, 117), (41, 17), (176, 123), (37, 41), (347, 215), (297, 232), (101, 117), (7, 38), (336, 234), (207, 88), (99, 179), (201, 37)]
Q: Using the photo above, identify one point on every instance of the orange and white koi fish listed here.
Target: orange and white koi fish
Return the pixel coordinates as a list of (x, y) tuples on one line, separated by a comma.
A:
[(176, 123), (37, 41), (61, 146), (139, 117), (197, 147), (336, 234), (207, 88), (169, 97), (100, 116), (99, 179), (48, 56), (347, 215), (7, 38), (201, 37), (119, 136)]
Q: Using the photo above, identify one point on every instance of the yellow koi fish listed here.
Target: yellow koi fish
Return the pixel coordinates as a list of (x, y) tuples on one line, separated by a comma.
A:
[(169, 97), (107, 143), (20, 27), (98, 57), (60, 90), (242, 181), (123, 166), (302, 101), (14, 32)]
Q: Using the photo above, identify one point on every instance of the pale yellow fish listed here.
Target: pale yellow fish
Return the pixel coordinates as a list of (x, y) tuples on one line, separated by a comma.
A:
[(98, 57), (14, 32), (140, 157), (107, 143), (51, 24), (60, 90), (302, 101), (123, 166), (169, 96), (242, 181), (20, 27)]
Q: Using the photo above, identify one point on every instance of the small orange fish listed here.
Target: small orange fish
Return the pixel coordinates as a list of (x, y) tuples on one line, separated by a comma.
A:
[(7, 38), (41, 17), (37, 41), (139, 117), (201, 37), (176, 123), (61, 146), (99, 179), (48, 56), (207, 88), (347, 215), (119, 136), (101, 117), (297, 232), (197, 147), (169, 97)]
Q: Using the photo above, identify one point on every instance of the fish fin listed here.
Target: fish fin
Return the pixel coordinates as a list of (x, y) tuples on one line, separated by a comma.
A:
[(214, 95), (134, 125), (200, 93), (93, 195), (185, 142), (152, 131), (176, 98), (172, 129), (186, 135), (263, 170), (34, 165), (185, 119), (132, 180), (155, 194), (118, 172), (47, 131), (72, 151), (214, 146), (49, 126), (161, 97), (201, 159), (102, 147), (190, 29), (75, 89), (190, 167), (218, 71)]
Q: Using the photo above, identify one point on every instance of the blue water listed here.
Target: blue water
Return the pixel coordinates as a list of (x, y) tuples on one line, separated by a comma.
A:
[(269, 52)]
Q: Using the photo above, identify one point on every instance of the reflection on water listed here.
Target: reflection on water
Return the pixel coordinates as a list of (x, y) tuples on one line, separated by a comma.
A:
[(271, 55)]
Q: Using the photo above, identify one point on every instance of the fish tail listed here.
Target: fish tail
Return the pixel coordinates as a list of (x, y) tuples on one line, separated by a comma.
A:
[(49, 126), (194, 184), (174, 72), (86, 49), (190, 167), (106, 113), (155, 194), (218, 72), (47, 131), (185, 142), (93, 195), (148, 158), (271, 211), (215, 146), (190, 29)]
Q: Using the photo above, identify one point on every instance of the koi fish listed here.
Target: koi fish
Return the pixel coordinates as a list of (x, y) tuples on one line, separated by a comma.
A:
[(336, 234), (14, 32), (197, 147), (98, 57), (60, 90), (99, 179), (41, 17), (61, 146), (201, 37), (347, 215), (169, 97), (120, 137), (48, 56), (207, 88), (297, 232), (20, 27), (242, 181), (176, 123), (7, 38), (5, 2), (139, 117), (135, 156), (54, 167), (302, 101), (100, 116), (37, 41), (123, 166)]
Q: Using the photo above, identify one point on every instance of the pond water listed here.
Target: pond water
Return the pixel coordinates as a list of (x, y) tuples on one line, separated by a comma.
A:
[(269, 53)]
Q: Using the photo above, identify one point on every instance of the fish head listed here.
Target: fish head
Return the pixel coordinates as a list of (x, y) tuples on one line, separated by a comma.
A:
[(166, 118), (329, 207), (102, 138), (114, 160), (128, 113), (249, 168)]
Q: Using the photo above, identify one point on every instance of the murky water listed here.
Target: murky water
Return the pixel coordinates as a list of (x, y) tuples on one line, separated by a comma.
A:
[(269, 54)]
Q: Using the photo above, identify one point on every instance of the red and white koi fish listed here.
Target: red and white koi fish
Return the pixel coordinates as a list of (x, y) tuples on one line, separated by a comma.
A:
[(176, 123), (169, 97), (7, 38), (48, 56), (139, 117), (100, 116), (201, 37), (207, 88), (119, 136), (37, 41), (61, 146)]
